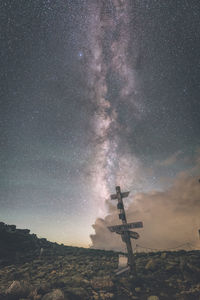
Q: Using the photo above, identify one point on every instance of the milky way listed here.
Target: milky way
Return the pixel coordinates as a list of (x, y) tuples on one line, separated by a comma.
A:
[(109, 36)]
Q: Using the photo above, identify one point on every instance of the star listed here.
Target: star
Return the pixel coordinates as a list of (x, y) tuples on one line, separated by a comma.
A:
[(80, 54)]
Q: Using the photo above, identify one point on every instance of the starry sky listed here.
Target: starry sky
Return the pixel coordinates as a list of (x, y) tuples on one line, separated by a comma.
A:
[(94, 94)]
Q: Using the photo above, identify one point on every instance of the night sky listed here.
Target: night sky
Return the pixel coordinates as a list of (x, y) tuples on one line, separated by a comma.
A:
[(94, 94)]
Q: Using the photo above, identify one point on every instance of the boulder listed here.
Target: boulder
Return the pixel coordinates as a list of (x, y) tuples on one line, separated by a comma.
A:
[(80, 292), (102, 283), (43, 288), (18, 289), (54, 295), (151, 265), (163, 255), (153, 298), (106, 296)]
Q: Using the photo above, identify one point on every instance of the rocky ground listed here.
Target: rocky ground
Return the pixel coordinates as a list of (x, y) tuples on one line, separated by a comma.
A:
[(76, 273)]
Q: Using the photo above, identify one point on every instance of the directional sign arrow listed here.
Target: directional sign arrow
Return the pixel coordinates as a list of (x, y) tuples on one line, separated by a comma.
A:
[(123, 195), (132, 234), (125, 227)]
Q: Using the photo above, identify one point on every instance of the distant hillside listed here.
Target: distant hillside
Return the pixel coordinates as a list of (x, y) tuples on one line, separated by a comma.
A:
[(72, 273), (18, 245)]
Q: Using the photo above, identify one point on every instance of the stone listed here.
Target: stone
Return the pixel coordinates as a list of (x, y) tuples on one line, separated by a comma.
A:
[(105, 296), (14, 288), (151, 265), (193, 268), (102, 282), (43, 289), (54, 295), (34, 295), (19, 289), (153, 298), (109, 295), (170, 267), (37, 297), (95, 295), (78, 291), (163, 255)]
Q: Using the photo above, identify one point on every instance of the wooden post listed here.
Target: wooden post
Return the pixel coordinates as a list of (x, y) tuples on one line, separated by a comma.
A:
[(125, 234), (123, 229)]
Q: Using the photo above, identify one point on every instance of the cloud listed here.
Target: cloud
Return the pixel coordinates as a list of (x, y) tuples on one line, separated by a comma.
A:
[(171, 217), (170, 160)]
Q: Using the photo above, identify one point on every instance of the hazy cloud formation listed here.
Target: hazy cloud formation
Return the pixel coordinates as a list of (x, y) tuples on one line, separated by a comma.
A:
[(172, 159), (171, 217)]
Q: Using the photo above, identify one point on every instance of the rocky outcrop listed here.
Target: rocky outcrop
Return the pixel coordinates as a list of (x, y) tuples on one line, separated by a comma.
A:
[(18, 290), (19, 245)]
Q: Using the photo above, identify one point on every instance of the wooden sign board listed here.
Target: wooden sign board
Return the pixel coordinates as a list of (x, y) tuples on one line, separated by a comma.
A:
[(123, 195), (125, 227), (132, 234)]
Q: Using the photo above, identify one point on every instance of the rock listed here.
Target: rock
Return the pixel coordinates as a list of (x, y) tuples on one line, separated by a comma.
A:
[(151, 265), (163, 295), (170, 266), (78, 291), (2, 297), (43, 289), (77, 280), (14, 288), (102, 283), (41, 274), (105, 296), (34, 295), (163, 255), (194, 268), (54, 295), (19, 289), (95, 295), (182, 263), (109, 295), (153, 298), (37, 297)]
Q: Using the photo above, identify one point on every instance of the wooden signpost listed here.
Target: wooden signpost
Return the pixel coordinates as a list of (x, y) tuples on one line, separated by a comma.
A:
[(125, 227), (126, 235)]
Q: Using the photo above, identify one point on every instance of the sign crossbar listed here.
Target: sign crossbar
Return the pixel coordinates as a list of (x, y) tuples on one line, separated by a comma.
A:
[(125, 227)]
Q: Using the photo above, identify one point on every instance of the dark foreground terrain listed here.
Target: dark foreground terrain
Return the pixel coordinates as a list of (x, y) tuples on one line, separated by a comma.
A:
[(62, 272)]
